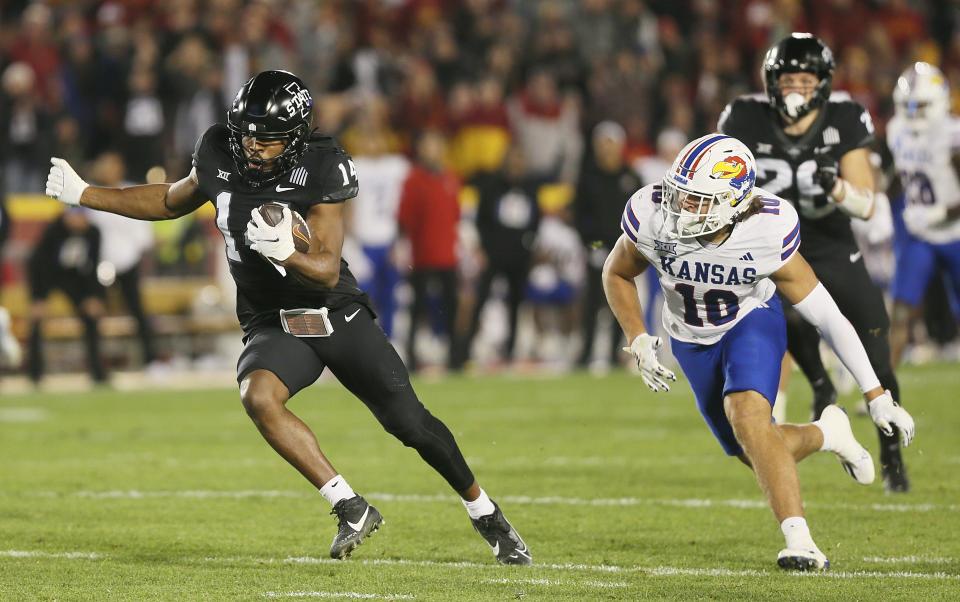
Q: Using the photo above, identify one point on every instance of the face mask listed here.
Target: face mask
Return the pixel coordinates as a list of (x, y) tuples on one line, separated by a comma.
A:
[(689, 221)]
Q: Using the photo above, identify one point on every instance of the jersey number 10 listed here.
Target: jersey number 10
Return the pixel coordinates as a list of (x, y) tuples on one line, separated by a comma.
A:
[(712, 299)]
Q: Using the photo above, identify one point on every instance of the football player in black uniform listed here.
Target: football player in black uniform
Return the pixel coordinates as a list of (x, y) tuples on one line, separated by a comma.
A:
[(812, 149), (300, 311)]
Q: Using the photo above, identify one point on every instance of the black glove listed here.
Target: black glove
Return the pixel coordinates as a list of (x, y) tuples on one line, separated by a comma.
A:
[(827, 171)]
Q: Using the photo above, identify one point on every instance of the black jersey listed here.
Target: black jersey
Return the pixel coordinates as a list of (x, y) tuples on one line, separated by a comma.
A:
[(786, 164), (326, 174)]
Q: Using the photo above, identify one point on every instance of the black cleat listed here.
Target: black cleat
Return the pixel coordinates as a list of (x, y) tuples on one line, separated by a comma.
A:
[(502, 538), (895, 475), (356, 520), (802, 560), (824, 394)]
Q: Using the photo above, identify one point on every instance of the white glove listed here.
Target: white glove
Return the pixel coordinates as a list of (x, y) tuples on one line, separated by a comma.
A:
[(273, 242), (653, 373), (921, 217), (63, 183), (887, 414)]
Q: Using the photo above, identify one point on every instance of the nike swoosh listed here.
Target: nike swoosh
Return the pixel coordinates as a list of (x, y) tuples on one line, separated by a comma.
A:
[(283, 188), (854, 257), (351, 316), (496, 549), (359, 524)]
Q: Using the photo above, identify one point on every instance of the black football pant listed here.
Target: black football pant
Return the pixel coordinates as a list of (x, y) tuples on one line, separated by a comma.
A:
[(516, 277), (129, 284), (91, 339), (422, 281), (594, 300), (861, 302), (363, 360)]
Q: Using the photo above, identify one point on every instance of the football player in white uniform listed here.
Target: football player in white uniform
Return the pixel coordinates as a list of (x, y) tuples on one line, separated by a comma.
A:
[(925, 142), (722, 249)]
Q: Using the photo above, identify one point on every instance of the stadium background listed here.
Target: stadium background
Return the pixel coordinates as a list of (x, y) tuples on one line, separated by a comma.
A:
[(144, 79), (159, 487)]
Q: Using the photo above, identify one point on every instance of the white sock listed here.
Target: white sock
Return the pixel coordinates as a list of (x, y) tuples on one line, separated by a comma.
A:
[(780, 407), (336, 489), (481, 506), (797, 534), (828, 442)]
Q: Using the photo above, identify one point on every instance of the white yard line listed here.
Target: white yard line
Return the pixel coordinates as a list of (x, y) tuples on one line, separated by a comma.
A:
[(909, 559), (752, 504), (339, 595), (40, 554), (23, 414), (657, 571), (557, 583)]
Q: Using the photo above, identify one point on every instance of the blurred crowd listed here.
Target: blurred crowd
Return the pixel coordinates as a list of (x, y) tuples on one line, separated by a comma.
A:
[(495, 140)]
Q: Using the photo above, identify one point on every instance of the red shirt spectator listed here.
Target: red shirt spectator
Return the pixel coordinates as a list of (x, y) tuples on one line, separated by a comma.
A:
[(429, 214)]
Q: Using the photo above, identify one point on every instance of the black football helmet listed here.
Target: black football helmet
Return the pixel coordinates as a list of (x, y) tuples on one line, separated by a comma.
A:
[(272, 105), (798, 53)]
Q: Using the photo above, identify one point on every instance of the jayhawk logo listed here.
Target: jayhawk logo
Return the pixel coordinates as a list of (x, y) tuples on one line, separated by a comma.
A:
[(735, 169)]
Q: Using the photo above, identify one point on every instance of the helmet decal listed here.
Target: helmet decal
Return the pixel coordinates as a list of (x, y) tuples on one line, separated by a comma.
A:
[(272, 105), (705, 187), (736, 170)]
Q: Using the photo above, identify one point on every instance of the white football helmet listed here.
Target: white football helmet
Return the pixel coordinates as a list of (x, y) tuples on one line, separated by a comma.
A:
[(708, 186), (922, 93)]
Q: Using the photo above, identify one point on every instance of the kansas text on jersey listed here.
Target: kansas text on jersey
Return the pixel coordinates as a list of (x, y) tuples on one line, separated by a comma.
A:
[(325, 175), (709, 288)]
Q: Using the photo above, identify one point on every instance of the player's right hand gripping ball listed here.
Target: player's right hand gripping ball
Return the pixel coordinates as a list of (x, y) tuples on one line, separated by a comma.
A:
[(654, 374), (275, 231)]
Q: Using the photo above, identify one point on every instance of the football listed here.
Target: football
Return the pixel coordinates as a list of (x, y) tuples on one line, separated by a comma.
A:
[(272, 214)]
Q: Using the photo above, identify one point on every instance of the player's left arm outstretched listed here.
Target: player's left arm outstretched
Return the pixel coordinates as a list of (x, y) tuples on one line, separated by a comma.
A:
[(623, 265), (799, 285), (146, 201)]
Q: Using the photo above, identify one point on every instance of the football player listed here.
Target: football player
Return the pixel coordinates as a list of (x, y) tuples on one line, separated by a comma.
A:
[(300, 311), (722, 250), (812, 149), (924, 140)]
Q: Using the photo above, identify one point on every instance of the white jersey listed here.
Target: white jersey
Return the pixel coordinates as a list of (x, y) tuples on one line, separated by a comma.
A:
[(923, 157), (708, 289), (375, 208)]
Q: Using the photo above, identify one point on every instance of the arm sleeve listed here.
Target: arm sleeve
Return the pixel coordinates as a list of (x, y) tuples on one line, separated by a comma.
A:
[(821, 310)]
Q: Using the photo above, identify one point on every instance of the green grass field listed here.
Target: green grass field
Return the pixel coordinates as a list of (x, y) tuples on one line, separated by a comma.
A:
[(620, 494)]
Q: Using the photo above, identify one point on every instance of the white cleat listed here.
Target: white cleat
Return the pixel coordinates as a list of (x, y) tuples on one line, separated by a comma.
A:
[(802, 560), (856, 460)]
